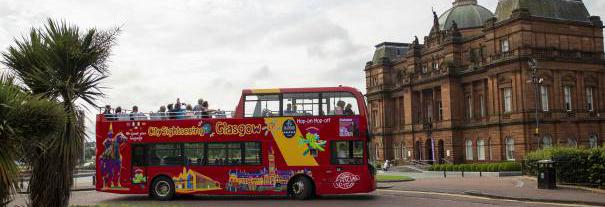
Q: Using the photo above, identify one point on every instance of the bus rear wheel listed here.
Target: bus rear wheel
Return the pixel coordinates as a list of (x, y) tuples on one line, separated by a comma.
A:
[(162, 189), (301, 188)]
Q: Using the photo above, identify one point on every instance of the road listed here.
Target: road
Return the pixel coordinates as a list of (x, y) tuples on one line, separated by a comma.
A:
[(380, 198)]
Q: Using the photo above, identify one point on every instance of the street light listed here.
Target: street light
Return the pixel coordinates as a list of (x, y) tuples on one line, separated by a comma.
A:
[(536, 80)]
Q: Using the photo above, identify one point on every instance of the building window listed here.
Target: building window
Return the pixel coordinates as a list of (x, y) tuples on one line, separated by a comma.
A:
[(489, 147), (589, 99), (375, 118), (510, 149), (593, 141), (567, 95), (546, 142), (481, 149), (508, 100), (544, 98), (504, 45), (424, 69), (469, 149), (572, 142), (469, 107), (440, 110), (482, 105)]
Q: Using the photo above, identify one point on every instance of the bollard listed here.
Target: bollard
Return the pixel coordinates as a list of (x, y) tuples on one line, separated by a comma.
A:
[(444, 174), (94, 180), (480, 173), (462, 173)]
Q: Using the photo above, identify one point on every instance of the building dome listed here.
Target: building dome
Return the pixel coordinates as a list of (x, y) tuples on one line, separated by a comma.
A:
[(573, 10), (466, 14)]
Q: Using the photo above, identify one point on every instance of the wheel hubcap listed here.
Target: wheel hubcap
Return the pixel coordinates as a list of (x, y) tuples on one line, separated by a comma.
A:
[(298, 187), (162, 188)]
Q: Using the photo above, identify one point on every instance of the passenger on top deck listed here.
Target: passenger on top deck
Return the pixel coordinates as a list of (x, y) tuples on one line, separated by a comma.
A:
[(119, 115), (340, 106), (197, 109), (189, 112), (107, 113), (136, 115), (206, 111), (289, 110), (348, 110), (171, 112), (179, 110)]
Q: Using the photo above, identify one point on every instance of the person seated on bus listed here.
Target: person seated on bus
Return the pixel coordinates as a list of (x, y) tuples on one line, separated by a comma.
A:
[(121, 116), (179, 109), (220, 114), (197, 109), (171, 112), (157, 115), (107, 113), (189, 112), (342, 153), (340, 107), (136, 115), (348, 110), (206, 111), (288, 110)]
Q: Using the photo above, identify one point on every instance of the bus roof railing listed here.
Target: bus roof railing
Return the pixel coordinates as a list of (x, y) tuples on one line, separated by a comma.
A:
[(168, 115)]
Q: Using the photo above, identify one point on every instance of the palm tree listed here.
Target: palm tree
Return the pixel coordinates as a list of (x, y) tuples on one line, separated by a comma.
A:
[(61, 63), (26, 123)]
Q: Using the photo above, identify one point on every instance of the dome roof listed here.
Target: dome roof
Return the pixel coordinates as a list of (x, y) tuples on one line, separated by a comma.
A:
[(466, 13), (573, 10)]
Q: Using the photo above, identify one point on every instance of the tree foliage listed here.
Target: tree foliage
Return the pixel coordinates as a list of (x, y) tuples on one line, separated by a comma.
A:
[(27, 123), (62, 63)]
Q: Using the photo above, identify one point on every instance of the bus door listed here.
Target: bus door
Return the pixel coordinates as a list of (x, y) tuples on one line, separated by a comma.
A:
[(139, 167), (347, 167)]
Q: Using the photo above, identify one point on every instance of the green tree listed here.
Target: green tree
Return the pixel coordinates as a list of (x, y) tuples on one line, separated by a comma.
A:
[(61, 63), (27, 123)]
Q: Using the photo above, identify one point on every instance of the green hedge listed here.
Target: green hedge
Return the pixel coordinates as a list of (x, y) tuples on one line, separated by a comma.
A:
[(479, 167), (573, 165)]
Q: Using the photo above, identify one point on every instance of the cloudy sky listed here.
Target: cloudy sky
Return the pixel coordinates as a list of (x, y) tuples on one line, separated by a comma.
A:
[(215, 48)]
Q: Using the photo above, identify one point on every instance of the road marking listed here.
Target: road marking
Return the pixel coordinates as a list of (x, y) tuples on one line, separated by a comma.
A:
[(476, 197)]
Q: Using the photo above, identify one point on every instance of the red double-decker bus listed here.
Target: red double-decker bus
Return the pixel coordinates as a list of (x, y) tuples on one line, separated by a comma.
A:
[(299, 142)]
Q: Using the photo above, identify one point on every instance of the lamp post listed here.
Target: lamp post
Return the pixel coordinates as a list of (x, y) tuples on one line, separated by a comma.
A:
[(537, 81)]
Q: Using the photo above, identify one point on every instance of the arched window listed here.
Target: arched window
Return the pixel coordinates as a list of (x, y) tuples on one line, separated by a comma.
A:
[(593, 141), (572, 142), (546, 142), (469, 149), (510, 148), (481, 149)]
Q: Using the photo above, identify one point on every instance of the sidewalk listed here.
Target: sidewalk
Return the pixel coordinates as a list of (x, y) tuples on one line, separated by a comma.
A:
[(515, 188)]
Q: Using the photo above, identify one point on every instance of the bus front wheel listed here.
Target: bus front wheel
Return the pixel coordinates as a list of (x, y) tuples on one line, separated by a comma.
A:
[(301, 188), (162, 189)]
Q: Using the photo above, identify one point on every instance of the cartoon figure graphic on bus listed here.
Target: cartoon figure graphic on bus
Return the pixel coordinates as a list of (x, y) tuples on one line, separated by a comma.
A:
[(313, 141), (111, 159)]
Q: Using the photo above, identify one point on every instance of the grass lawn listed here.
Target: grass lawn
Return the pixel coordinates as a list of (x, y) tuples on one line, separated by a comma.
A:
[(391, 178)]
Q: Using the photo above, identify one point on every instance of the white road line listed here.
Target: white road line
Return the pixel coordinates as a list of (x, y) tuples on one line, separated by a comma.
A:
[(477, 197)]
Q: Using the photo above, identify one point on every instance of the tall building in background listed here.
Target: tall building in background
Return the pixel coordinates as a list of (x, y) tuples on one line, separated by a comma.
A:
[(461, 94)]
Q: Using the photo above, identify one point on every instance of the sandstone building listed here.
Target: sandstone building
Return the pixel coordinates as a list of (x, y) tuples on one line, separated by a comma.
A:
[(464, 92)]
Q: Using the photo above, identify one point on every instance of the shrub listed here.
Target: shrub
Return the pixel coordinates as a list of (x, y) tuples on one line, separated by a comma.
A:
[(483, 167), (573, 165)]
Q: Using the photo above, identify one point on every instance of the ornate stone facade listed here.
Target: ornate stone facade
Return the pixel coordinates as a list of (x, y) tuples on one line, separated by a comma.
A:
[(463, 94)]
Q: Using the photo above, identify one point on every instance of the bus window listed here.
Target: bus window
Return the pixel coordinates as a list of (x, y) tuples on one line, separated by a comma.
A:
[(217, 153), (252, 153), (340, 103), (165, 155), (347, 152), (138, 155), (194, 154), (301, 104), (262, 106), (234, 154)]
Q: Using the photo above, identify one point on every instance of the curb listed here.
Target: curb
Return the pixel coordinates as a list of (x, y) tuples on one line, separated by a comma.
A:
[(479, 194), (73, 190), (395, 181), (571, 187)]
